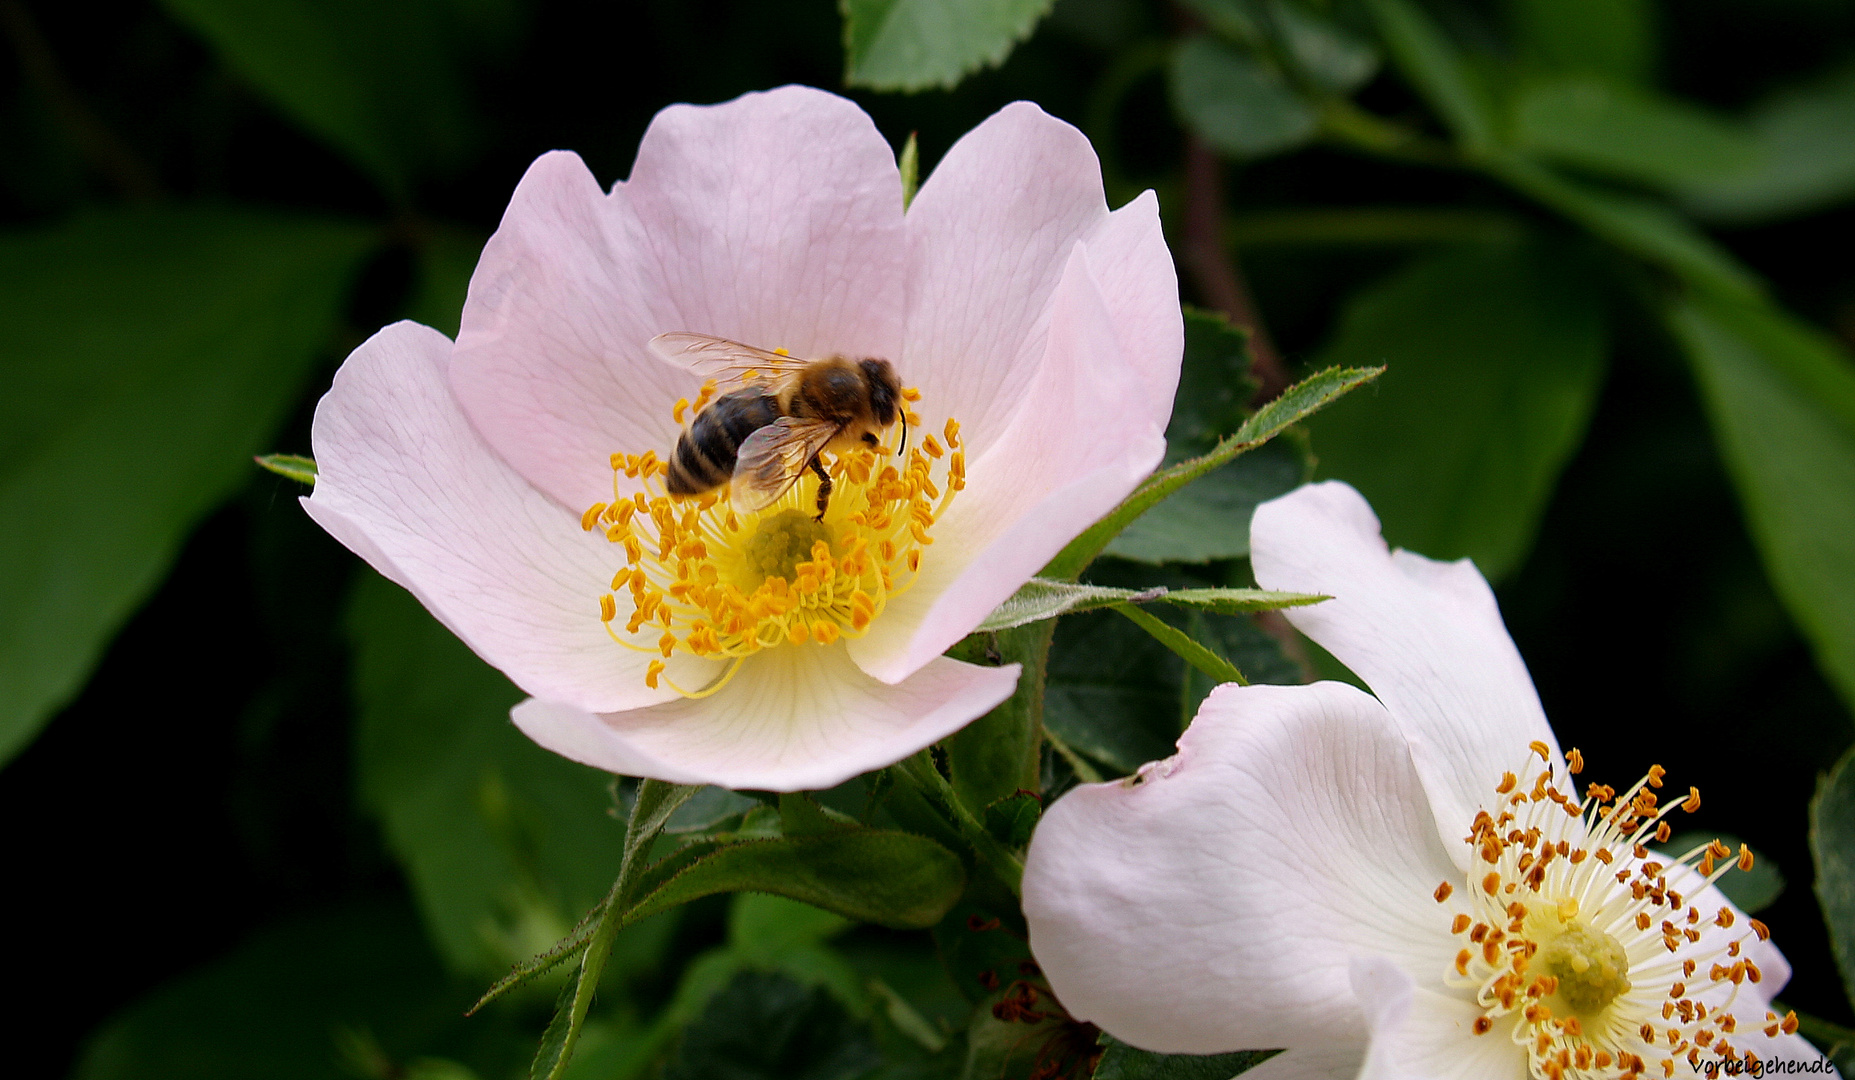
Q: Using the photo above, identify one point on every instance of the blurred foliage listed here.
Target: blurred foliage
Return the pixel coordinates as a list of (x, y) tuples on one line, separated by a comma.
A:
[(1595, 243)]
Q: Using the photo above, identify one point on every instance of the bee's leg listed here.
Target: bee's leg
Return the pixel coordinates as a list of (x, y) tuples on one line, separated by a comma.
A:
[(824, 487)]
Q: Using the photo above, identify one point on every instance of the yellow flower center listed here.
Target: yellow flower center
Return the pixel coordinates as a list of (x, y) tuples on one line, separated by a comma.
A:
[(715, 584), (1578, 940)]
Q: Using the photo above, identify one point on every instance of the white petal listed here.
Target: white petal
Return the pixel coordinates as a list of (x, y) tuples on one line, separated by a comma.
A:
[(405, 482), (988, 238), (1217, 904), (1337, 1059), (793, 719), (774, 219), (1421, 1034), (1070, 455), (1427, 637)]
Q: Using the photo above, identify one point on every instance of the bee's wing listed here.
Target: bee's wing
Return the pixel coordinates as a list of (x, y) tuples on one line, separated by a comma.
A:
[(719, 358), (770, 460)]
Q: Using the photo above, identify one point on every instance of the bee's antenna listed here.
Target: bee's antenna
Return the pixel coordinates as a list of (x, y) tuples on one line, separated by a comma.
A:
[(904, 446)]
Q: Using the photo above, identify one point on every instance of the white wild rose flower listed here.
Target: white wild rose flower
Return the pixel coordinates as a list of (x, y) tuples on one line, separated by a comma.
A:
[(512, 480), (1415, 884)]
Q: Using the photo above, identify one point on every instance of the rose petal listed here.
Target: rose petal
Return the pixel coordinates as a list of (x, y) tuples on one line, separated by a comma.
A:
[(774, 219), (1217, 905), (1066, 460), (792, 719), (406, 483), (1427, 637), (1419, 1034), (1338, 1059), (989, 238)]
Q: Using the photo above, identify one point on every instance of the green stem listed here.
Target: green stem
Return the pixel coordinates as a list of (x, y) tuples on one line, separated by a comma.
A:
[(1348, 124), (1084, 771), (1178, 641), (655, 802), (919, 771)]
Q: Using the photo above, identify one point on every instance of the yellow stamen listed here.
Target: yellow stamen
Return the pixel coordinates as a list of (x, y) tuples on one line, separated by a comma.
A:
[(703, 580)]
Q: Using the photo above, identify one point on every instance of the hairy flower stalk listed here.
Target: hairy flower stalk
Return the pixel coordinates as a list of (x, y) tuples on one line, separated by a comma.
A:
[(1404, 884)]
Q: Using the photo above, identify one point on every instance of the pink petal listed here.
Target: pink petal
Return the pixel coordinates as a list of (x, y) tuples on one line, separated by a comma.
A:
[(407, 484), (774, 219), (1427, 637), (1420, 1034), (1217, 904), (793, 719), (989, 236), (1066, 459)]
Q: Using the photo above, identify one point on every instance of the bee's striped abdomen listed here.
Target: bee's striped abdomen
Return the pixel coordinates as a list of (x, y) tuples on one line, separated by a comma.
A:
[(705, 454)]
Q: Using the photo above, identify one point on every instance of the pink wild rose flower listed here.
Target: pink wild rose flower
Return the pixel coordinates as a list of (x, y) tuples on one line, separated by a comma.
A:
[(513, 480)]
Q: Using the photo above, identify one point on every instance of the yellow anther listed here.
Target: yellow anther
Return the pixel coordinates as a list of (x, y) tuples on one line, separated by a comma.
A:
[(677, 410), (608, 608), (591, 516), (824, 632), (650, 673), (909, 393)]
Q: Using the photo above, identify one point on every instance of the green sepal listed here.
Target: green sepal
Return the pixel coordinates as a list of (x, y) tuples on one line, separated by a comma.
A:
[(1295, 404), (289, 466), (1041, 598), (1188, 649), (1012, 818)]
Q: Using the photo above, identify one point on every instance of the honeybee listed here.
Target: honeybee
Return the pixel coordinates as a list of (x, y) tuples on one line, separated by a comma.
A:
[(761, 436)]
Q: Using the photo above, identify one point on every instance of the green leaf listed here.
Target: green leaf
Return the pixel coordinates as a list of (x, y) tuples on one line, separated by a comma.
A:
[(298, 997), (289, 466), (1643, 227), (1012, 818), (914, 45), (1609, 37), (1806, 161), (1235, 102), (1114, 692), (1610, 128), (1437, 69), (148, 357), (1215, 386), (769, 1026), (503, 843), (1328, 55), (1782, 400), (877, 876), (383, 83), (1120, 1061), (1002, 751), (1296, 403), (1832, 844), (1493, 354), (1210, 517)]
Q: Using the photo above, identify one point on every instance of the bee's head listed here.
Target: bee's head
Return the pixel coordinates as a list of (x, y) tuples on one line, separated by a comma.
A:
[(885, 391)]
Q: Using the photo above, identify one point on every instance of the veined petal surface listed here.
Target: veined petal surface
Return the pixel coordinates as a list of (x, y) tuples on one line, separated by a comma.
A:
[(1218, 903), (407, 483)]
